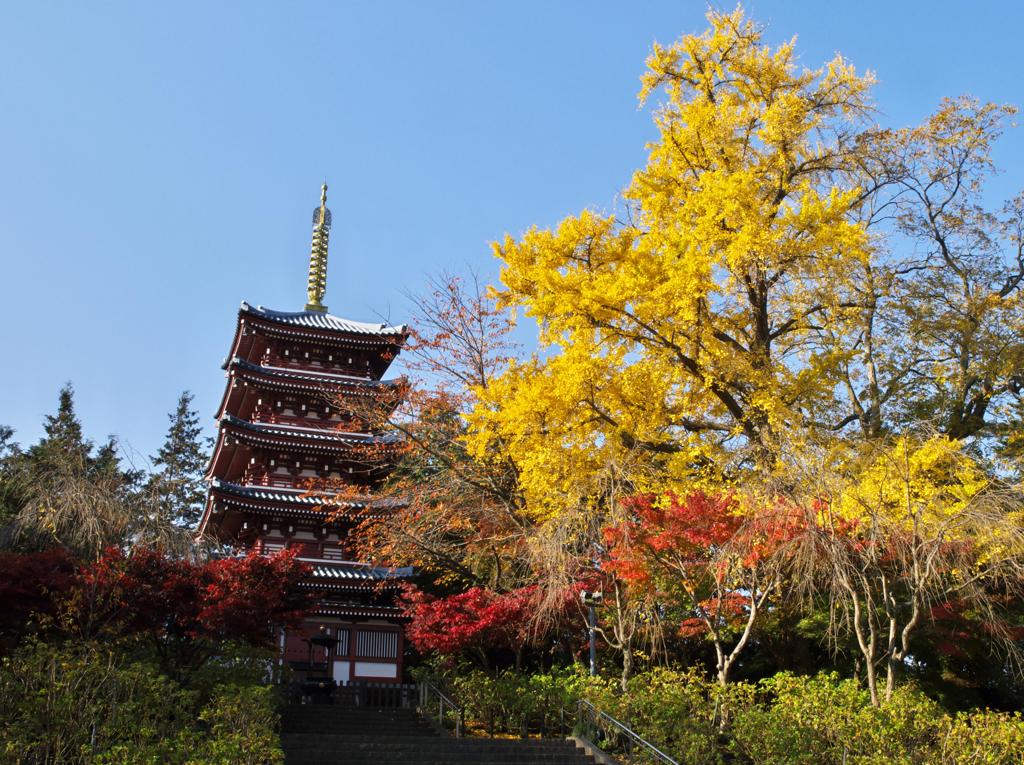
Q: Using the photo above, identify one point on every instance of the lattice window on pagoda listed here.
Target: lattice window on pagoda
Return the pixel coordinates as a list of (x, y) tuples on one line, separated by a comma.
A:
[(269, 548), (333, 552), (377, 645), (342, 649)]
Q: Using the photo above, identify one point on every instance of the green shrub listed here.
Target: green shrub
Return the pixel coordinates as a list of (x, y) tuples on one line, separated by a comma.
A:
[(243, 728), (823, 720), (680, 712), (513, 703), (83, 704), (783, 720), (237, 664), (983, 738), (59, 703), (240, 728)]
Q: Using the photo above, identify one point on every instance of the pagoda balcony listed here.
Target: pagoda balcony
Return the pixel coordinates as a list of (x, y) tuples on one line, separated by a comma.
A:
[(270, 480), (308, 419), (271, 359), (290, 480)]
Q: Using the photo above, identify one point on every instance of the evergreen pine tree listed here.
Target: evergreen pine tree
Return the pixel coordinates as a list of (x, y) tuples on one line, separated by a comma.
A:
[(65, 446), (73, 495), (63, 442), (7, 444), (179, 483), (12, 491)]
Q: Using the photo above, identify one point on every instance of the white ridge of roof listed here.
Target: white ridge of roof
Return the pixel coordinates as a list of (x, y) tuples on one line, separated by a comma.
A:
[(356, 571), (288, 427), (285, 494), (302, 373), (318, 320), (316, 434)]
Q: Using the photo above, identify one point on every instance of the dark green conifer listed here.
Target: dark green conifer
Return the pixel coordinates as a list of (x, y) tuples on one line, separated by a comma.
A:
[(181, 463), (12, 489), (63, 442), (73, 495), (7, 444)]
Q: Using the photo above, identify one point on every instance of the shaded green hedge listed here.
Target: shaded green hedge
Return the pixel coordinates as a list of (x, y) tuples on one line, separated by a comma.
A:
[(783, 720), (824, 720), (84, 704), (513, 703)]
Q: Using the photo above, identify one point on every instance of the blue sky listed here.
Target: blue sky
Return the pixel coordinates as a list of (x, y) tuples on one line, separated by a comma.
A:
[(160, 161)]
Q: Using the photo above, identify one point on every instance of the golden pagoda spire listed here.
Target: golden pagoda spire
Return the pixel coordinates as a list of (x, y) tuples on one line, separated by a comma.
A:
[(317, 285)]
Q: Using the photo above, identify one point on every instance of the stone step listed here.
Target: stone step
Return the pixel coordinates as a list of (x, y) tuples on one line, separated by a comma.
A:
[(453, 755), (327, 711), (356, 724), (413, 757), (351, 720), (372, 735), (437, 744), (479, 755), (436, 741), (328, 758), (355, 717), (325, 735)]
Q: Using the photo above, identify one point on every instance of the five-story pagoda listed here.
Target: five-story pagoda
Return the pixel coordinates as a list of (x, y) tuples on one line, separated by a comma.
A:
[(294, 455)]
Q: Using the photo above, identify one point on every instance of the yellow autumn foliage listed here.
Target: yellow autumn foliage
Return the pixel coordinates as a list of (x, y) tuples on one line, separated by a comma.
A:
[(782, 272), (924, 485), (674, 344)]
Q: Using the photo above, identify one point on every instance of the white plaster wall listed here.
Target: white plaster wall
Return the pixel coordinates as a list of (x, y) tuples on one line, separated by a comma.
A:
[(376, 669)]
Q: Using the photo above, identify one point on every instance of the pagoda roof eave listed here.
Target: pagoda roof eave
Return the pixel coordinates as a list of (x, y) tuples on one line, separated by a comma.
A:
[(290, 496), (325, 322), (291, 503), (321, 380), (391, 613), (332, 572), (297, 438), (301, 431)]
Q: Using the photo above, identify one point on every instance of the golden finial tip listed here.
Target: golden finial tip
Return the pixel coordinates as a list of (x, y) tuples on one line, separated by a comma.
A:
[(317, 284)]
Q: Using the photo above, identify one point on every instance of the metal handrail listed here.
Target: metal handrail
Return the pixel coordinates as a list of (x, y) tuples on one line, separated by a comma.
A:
[(426, 689), (625, 729)]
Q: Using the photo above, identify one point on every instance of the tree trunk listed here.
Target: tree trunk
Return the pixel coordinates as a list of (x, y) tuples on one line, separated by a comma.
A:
[(627, 664), (872, 678), (867, 638)]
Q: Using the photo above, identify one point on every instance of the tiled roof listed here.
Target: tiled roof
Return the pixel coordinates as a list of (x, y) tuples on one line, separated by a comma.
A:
[(291, 496), (299, 502), (386, 612), (318, 320), (350, 572), (317, 378), (327, 435)]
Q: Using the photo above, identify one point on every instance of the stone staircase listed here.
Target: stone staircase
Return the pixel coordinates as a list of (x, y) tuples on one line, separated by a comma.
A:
[(322, 734)]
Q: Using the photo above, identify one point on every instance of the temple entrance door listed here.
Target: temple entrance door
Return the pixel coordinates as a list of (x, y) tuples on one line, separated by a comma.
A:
[(341, 671)]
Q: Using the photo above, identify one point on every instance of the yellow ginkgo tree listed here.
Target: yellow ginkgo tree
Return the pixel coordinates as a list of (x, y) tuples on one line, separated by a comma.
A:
[(781, 271), (682, 334), (783, 278)]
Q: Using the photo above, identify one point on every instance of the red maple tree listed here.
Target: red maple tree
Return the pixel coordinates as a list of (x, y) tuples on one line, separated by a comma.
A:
[(476, 621), (703, 554), (185, 610)]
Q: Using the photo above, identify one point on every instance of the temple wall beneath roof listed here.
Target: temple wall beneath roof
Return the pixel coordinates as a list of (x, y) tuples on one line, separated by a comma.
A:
[(364, 650)]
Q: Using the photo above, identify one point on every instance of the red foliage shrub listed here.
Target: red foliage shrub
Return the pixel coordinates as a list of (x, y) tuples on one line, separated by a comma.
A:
[(476, 619), (30, 583), (699, 551), (182, 607)]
